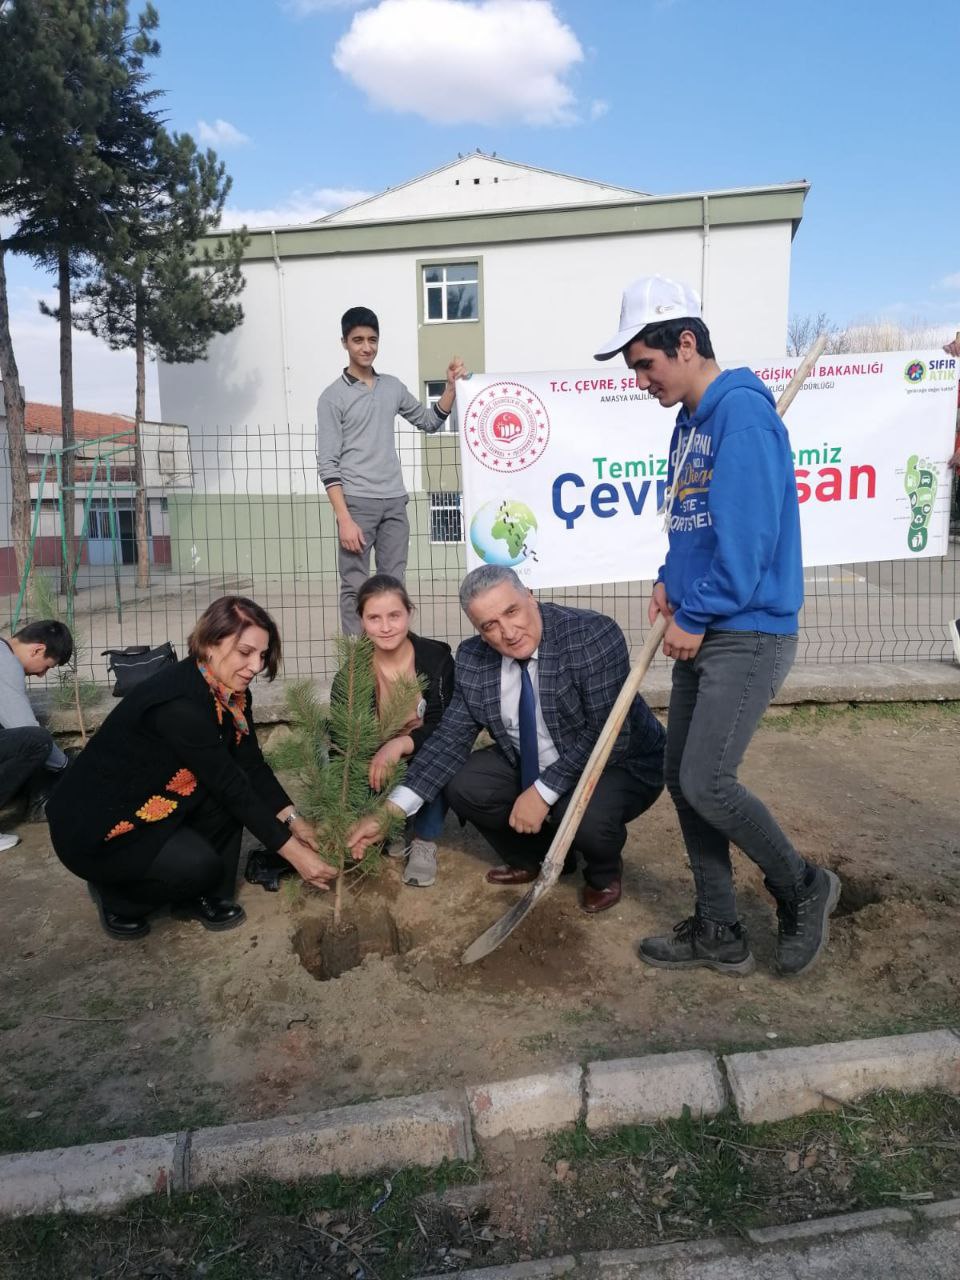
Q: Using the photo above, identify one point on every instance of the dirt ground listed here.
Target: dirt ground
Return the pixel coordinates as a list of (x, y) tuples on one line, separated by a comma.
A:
[(100, 1038)]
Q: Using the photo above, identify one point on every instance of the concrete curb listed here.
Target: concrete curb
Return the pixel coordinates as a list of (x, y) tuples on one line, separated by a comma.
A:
[(528, 1107), (777, 1083), (655, 1087), (423, 1131), (867, 1220), (94, 1178)]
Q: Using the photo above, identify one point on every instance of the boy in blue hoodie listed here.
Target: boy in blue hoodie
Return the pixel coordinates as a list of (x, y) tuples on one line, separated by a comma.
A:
[(731, 589)]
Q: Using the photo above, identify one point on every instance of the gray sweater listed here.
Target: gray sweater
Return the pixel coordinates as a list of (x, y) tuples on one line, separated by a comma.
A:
[(15, 709), (355, 441)]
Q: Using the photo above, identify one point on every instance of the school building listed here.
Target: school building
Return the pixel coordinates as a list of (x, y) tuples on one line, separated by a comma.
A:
[(512, 267)]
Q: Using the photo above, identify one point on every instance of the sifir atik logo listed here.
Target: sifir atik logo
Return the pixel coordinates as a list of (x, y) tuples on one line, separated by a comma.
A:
[(915, 371), (506, 427)]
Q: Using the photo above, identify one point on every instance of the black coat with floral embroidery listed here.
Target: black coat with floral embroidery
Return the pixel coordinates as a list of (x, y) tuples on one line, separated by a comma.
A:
[(162, 751)]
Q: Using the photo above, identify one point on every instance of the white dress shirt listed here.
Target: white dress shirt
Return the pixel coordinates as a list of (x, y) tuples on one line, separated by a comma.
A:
[(547, 752)]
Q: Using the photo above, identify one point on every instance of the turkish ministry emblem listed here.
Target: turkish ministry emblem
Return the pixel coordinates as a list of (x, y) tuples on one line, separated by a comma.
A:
[(506, 427)]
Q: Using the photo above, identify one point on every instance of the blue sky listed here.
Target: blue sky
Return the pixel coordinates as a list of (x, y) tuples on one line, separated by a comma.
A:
[(312, 102)]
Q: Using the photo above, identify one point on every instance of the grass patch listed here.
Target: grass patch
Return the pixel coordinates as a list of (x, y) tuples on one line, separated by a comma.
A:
[(860, 716), (691, 1177), (325, 1227)]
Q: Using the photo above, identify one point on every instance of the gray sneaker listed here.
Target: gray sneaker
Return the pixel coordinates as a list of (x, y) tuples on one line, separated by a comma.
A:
[(804, 923), (397, 848), (421, 868)]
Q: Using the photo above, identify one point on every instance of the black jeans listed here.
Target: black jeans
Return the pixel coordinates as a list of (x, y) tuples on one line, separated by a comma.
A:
[(717, 701), (22, 754), (484, 791), (199, 859)]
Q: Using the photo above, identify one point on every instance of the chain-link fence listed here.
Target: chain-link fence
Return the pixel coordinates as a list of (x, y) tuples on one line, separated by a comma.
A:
[(234, 511)]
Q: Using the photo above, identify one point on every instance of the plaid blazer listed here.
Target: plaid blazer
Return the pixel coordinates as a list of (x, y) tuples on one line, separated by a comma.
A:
[(582, 664)]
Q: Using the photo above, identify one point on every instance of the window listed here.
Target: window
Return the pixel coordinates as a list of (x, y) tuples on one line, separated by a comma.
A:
[(433, 390), (446, 517), (451, 291)]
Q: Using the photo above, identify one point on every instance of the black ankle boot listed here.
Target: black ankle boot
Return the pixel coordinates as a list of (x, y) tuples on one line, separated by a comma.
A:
[(699, 943), (126, 928), (213, 913)]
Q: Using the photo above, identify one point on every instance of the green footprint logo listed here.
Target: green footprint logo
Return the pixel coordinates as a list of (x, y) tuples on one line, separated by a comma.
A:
[(920, 483)]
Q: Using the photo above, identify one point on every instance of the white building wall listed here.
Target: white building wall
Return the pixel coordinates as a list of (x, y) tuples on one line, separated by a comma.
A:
[(238, 390), (546, 305)]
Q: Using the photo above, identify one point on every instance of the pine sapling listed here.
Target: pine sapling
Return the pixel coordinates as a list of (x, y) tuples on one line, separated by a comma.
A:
[(339, 743)]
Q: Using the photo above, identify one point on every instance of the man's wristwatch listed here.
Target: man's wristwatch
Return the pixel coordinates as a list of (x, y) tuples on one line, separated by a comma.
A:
[(292, 817)]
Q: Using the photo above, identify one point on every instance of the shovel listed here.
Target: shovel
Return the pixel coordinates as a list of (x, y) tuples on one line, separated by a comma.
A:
[(552, 864)]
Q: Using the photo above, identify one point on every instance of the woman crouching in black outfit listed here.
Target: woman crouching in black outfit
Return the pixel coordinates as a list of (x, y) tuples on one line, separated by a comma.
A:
[(152, 811)]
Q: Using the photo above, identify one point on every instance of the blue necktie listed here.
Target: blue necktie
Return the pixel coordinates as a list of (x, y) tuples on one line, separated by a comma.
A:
[(529, 756)]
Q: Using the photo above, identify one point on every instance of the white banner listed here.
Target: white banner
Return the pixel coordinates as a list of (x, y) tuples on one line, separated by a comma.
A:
[(563, 473)]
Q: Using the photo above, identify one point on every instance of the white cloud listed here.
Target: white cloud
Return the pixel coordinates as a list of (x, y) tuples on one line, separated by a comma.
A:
[(300, 206), (598, 109), (949, 282), (103, 380), (464, 61), (220, 134)]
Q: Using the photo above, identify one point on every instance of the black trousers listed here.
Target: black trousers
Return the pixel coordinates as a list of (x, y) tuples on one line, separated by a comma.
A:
[(199, 859), (484, 791), (22, 753)]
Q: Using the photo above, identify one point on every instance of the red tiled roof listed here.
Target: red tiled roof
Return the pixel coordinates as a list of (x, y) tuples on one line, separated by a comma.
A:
[(45, 420)]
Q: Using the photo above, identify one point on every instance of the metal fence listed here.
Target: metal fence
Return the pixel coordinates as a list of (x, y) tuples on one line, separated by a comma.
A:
[(241, 511)]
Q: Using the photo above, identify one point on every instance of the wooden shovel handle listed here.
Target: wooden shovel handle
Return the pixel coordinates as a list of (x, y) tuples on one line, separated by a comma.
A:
[(556, 854)]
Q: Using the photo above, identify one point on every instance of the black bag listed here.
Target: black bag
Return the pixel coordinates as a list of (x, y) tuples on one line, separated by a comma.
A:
[(267, 869), (136, 663)]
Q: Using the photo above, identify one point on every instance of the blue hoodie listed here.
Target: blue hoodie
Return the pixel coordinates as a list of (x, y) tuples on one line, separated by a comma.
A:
[(734, 556)]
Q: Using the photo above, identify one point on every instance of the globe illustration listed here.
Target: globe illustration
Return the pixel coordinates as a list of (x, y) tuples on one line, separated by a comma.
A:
[(504, 532)]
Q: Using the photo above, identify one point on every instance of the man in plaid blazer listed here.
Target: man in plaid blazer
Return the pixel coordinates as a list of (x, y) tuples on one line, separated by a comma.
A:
[(576, 662)]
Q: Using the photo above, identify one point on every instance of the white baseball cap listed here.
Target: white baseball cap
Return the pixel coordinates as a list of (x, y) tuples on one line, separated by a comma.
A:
[(650, 300)]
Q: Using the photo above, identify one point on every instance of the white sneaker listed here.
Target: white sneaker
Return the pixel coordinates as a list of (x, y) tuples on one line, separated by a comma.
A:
[(8, 842), (421, 868)]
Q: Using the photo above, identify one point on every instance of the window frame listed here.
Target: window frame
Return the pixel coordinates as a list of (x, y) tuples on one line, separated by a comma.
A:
[(430, 398), (443, 285), (436, 508)]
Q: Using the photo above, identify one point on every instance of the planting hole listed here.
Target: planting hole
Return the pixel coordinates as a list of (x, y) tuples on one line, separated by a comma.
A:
[(327, 952)]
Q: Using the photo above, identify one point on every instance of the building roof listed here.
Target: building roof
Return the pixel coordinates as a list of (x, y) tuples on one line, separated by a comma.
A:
[(624, 215), (46, 420), (480, 183)]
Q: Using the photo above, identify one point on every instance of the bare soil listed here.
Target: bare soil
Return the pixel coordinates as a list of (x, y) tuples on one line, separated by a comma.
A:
[(100, 1038)]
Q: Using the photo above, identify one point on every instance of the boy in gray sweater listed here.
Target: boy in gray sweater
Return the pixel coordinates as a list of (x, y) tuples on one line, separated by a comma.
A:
[(357, 458), (25, 749)]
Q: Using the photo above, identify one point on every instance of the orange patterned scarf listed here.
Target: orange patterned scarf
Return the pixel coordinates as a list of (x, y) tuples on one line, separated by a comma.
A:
[(227, 699)]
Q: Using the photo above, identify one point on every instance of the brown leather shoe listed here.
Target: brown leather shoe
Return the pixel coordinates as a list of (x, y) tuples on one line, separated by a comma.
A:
[(511, 875), (595, 900)]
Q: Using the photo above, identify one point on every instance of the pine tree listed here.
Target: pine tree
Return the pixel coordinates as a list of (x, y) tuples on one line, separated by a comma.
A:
[(338, 744), (152, 289), (77, 120)]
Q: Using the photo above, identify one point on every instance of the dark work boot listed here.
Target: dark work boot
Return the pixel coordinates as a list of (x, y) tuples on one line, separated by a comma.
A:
[(699, 943), (804, 921)]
